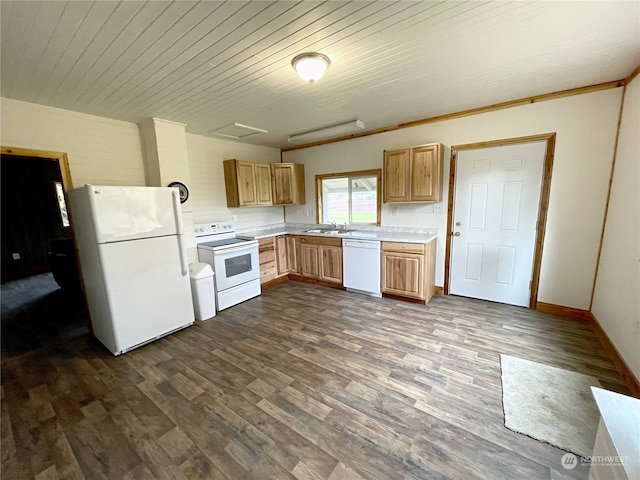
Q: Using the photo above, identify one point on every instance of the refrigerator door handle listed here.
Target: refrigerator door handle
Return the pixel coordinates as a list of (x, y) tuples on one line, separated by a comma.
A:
[(177, 210), (183, 257), (179, 231)]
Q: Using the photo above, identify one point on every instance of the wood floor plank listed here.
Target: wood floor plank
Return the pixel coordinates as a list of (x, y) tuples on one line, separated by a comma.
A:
[(301, 382)]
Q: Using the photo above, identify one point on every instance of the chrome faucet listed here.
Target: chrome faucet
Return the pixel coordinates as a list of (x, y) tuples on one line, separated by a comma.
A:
[(334, 224)]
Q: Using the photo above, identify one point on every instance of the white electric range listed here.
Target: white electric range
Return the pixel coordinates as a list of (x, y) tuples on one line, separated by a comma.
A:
[(235, 262)]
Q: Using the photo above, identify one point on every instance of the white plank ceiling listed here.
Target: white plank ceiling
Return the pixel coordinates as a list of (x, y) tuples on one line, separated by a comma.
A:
[(210, 64)]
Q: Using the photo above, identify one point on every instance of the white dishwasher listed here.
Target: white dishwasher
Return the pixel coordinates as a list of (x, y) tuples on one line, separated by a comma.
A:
[(361, 266)]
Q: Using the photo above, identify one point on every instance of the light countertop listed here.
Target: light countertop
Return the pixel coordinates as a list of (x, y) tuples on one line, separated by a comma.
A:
[(621, 417), (379, 234)]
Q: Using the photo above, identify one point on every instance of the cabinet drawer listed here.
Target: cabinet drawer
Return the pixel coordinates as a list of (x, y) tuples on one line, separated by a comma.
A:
[(268, 256), (403, 247), (268, 271), (330, 241), (266, 244)]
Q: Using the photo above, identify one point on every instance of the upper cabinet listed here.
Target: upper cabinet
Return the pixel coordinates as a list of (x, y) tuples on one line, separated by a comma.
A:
[(413, 174), (288, 183), (250, 184), (262, 173), (244, 183)]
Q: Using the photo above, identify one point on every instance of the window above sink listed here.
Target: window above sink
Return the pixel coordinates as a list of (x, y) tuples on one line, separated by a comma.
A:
[(349, 198)]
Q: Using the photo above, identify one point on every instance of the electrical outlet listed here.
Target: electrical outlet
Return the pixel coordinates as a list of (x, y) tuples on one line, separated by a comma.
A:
[(16, 256), (234, 218), (394, 211), (438, 208)]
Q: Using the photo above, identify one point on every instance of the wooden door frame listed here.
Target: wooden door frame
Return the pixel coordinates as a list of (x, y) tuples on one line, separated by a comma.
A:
[(543, 206), (59, 157)]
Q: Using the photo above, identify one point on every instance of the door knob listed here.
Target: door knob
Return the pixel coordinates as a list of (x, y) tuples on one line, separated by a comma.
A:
[(456, 234)]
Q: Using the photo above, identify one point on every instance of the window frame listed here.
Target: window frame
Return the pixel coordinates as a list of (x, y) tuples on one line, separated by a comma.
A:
[(61, 202), (359, 173)]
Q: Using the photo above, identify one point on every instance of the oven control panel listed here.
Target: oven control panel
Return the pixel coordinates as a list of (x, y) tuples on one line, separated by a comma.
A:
[(213, 228)]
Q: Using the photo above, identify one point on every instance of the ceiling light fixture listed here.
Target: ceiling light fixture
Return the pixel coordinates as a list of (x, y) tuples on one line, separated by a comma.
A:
[(325, 132), (310, 66)]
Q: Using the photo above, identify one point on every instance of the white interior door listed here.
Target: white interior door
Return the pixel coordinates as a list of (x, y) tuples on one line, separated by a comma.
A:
[(497, 197)]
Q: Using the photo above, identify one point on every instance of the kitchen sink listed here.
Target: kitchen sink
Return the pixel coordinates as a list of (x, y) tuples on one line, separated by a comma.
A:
[(329, 231)]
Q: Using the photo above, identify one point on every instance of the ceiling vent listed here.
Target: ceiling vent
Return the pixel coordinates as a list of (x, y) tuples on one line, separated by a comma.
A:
[(237, 131)]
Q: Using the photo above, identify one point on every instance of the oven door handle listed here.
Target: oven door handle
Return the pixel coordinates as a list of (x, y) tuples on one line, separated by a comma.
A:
[(177, 215)]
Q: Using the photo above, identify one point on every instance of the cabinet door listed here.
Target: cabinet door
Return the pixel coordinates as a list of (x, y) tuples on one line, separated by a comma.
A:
[(282, 258), (282, 183), (262, 173), (246, 183), (292, 255), (396, 176), (288, 183), (403, 274), (425, 174), (331, 266), (309, 261)]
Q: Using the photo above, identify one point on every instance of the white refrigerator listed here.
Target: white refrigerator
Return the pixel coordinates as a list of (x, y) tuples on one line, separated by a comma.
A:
[(133, 263)]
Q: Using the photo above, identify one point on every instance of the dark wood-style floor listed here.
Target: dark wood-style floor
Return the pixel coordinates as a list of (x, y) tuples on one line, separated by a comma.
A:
[(303, 382)]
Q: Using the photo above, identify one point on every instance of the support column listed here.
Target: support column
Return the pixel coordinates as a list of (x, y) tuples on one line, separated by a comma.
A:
[(166, 160)]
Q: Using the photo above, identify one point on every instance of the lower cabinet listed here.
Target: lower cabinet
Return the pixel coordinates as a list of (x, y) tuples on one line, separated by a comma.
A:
[(408, 269), (267, 258), (309, 260), (286, 255), (320, 258)]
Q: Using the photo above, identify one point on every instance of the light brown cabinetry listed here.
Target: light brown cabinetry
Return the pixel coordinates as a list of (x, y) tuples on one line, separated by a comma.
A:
[(250, 184), (331, 264), (267, 259), (288, 183), (286, 255), (262, 173), (247, 183), (320, 258), (413, 174), (408, 269)]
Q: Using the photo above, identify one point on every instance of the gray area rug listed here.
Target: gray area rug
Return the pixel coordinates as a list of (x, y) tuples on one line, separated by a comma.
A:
[(550, 404)]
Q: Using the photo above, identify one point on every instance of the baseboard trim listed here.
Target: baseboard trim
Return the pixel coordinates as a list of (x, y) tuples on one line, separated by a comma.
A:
[(404, 299), (274, 281), (632, 382), (438, 290), (562, 311), (300, 278), (588, 317)]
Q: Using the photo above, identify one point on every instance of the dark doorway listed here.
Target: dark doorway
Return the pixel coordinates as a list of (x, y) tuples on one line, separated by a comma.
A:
[(41, 299), (31, 218)]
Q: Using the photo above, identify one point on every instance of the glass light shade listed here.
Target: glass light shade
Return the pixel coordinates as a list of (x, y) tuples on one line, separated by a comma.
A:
[(310, 66)]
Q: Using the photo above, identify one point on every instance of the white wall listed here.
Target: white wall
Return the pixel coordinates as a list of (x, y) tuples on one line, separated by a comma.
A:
[(207, 191), (585, 126), (101, 151), (616, 303)]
